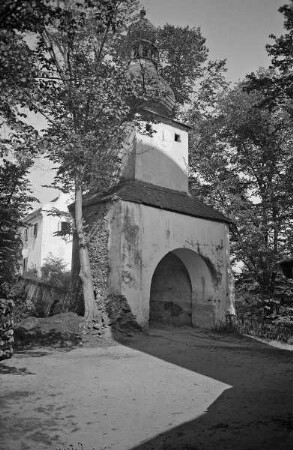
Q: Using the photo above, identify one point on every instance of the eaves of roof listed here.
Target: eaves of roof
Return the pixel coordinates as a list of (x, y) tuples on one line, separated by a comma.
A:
[(158, 197), (32, 215)]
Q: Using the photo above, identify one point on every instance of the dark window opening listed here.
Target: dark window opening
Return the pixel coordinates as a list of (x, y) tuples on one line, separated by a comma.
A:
[(148, 127), (35, 231), (177, 137), (65, 227), (24, 264)]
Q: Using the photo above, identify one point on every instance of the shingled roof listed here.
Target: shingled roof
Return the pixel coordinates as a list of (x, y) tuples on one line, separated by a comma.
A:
[(158, 197)]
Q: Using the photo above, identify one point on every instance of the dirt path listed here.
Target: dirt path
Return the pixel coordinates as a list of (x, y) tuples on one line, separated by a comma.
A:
[(175, 389)]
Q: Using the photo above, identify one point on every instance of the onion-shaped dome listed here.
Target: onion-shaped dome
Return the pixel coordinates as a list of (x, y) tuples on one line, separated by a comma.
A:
[(141, 39), (143, 29), (144, 57), (158, 95)]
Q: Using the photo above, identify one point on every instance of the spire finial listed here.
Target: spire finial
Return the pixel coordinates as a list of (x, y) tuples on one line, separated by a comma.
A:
[(142, 13)]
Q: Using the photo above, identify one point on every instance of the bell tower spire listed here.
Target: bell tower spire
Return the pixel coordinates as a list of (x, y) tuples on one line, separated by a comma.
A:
[(143, 65), (159, 156), (142, 36)]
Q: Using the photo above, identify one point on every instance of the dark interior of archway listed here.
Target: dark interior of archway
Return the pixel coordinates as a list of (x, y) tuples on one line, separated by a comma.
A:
[(170, 299)]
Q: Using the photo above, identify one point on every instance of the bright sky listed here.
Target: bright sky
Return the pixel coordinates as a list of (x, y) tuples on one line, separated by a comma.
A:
[(237, 30)]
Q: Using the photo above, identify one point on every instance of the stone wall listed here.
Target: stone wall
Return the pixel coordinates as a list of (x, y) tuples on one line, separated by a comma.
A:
[(98, 238), (112, 309), (6, 328), (42, 298)]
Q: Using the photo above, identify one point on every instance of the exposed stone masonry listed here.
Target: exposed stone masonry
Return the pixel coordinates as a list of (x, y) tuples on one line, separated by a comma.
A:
[(6, 328)]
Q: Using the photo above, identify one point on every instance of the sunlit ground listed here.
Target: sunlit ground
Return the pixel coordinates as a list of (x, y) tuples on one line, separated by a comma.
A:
[(174, 389), (112, 398)]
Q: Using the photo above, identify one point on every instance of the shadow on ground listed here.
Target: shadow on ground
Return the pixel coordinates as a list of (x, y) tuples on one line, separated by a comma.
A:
[(255, 414), (9, 370), (36, 337)]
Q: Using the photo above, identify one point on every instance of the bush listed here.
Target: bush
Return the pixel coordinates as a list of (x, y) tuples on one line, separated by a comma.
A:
[(250, 321), (22, 307), (53, 272)]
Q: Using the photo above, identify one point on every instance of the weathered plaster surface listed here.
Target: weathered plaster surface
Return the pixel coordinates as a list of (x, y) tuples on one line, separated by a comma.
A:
[(147, 234), (32, 247), (104, 239), (37, 248), (158, 158)]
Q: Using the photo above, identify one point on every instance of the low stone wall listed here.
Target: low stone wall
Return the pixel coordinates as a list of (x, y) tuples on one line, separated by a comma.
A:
[(43, 298), (6, 328)]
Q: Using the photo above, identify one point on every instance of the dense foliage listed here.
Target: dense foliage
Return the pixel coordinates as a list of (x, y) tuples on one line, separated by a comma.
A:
[(242, 162), (277, 84), (182, 56), (14, 202)]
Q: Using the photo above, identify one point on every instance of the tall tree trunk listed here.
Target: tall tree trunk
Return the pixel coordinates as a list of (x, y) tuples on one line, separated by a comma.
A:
[(85, 269)]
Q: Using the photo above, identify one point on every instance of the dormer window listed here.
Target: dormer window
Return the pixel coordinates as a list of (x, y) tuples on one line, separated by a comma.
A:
[(177, 138)]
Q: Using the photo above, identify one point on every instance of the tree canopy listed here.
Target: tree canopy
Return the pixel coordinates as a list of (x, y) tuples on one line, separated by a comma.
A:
[(277, 84), (242, 162), (14, 202)]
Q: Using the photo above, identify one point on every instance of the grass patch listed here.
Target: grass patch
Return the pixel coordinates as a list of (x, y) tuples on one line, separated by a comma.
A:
[(273, 330)]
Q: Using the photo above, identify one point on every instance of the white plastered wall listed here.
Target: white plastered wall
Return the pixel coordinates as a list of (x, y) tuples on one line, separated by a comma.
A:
[(147, 234), (157, 158), (37, 248)]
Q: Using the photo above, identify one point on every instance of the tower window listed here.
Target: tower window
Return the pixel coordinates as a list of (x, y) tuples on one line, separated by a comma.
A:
[(177, 138), (24, 265)]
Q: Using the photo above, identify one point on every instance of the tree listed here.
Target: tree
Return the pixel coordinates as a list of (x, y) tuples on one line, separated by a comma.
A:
[(82, 91), (17, 139), (53, 271), (182, 56), (242, 159), (281, 50), (14, 203), (277, 83), (242, 164), (73, 77), (18, 19)]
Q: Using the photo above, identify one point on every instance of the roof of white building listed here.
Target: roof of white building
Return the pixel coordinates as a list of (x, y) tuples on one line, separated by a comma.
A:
[(61, 202)]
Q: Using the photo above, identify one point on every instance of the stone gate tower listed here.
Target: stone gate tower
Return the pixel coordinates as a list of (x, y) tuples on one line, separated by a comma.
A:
[(165, 252)]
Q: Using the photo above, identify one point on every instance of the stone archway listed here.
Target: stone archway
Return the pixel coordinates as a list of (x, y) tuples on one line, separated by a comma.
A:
[(171, 292), (183, 290)]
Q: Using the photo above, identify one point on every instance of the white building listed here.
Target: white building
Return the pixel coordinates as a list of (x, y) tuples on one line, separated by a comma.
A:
[(39, 237)]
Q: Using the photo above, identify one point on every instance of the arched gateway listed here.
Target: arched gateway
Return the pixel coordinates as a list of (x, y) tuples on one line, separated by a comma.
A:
[(171, 292), (182, 289)]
